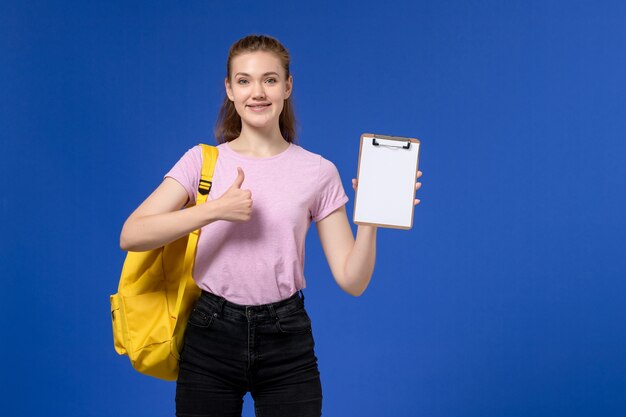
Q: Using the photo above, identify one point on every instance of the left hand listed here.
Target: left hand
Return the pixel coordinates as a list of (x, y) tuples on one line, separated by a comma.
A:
[(417, 186)]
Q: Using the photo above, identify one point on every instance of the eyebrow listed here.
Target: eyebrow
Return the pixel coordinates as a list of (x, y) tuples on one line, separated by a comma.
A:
[(248, 75)]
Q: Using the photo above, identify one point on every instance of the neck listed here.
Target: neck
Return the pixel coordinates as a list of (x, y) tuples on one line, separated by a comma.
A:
[(259, 141)]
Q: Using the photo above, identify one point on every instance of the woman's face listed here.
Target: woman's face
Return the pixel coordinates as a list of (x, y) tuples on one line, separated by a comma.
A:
[(258, 88)]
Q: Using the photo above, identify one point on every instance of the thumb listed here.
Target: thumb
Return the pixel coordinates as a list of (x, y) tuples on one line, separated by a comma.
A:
[(239, 179)]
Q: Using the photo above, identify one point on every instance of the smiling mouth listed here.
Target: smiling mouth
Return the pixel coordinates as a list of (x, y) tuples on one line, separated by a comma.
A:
[(258, 108)]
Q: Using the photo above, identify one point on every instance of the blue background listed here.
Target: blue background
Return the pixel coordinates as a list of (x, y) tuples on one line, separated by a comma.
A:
[(507, 298)]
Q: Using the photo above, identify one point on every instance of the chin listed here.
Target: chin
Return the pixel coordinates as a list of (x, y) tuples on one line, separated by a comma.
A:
[(260, 123)]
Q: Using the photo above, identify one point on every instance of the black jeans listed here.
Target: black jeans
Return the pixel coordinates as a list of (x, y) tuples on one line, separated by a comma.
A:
[(231, 349)]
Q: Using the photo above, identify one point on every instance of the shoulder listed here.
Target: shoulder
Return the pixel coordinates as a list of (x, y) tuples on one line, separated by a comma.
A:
[(302, 153), (188, 163), (314, 158), (193, 152), (325, 167), (193, 155)]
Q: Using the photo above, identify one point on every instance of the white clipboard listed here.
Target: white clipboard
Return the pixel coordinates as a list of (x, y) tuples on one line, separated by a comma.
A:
[(386, 181)]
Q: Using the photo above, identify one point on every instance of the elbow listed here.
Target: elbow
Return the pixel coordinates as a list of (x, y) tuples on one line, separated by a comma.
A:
[(125, 244), (356, 293), (355, 286), (131, 240), (132, 247), (354, 290)]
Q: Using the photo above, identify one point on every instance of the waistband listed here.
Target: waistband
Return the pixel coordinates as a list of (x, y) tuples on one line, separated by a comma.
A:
[(271, 309)]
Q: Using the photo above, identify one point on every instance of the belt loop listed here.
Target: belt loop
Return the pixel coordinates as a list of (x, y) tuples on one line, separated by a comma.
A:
[(270, 307), (221, 302)]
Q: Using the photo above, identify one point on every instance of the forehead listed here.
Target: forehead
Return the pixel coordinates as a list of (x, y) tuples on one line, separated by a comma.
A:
[(256, 63)]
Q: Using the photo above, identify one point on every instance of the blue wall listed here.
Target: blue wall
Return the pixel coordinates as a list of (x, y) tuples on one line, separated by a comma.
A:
[(507, 298)]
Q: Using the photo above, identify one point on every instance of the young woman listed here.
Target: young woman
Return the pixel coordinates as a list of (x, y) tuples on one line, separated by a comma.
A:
[(249, 331)]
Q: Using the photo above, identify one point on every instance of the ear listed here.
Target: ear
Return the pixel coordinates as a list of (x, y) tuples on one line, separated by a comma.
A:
[(229, 90), (288, 86)]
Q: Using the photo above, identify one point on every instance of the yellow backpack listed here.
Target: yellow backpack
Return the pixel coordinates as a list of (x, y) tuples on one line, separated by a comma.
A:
[(156, 294)]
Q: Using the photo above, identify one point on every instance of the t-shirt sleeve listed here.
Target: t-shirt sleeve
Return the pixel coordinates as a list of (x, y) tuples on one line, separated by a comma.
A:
[(187, 171), (330, 195)]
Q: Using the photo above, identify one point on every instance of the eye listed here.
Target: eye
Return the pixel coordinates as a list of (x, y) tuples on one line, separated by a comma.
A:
[(271, 80), (242, 81)]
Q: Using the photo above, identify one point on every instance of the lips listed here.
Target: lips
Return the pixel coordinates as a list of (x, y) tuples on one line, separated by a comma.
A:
[(258, 108)]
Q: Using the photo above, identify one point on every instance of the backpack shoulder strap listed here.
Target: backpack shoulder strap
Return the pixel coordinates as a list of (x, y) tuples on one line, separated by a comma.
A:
[(209, 158)]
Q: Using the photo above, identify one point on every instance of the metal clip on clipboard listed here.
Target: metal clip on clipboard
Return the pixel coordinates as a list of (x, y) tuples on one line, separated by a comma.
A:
[(407, 146)]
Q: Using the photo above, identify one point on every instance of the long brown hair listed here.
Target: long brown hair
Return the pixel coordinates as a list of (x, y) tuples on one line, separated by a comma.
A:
[(228, 125)]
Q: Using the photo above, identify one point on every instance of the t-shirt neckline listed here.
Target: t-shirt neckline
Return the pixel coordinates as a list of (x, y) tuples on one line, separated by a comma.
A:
[(230, 151)]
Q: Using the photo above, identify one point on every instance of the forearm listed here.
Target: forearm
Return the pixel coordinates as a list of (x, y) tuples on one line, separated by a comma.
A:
[(360, 263), (149, 232)]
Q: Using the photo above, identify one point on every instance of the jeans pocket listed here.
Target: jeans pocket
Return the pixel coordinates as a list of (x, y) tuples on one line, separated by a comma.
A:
[(296, 322), (202, 315)]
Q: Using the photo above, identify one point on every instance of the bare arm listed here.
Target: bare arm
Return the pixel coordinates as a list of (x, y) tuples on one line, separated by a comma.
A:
[(159, 220), (351, 261)]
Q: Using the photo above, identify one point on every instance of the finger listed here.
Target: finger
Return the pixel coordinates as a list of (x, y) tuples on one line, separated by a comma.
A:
[(418, 185), (419, 174), (416, 202), (239, 179)]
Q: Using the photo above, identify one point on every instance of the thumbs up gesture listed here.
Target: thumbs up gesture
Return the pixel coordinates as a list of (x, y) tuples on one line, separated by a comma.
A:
[(235, 204)]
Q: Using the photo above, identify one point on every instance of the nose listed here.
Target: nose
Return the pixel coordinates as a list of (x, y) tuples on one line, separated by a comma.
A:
[(258, 92)]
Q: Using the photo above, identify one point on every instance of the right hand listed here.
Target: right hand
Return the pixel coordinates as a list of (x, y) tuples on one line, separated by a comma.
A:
[(235, 204)]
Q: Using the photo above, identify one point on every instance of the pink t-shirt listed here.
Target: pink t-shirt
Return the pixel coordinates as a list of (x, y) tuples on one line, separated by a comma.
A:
[(261, 261)]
